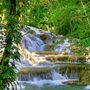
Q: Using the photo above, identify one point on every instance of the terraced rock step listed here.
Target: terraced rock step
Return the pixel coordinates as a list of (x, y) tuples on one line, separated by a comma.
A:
[(72, 82), (51, 53), (34, 70), (66, 58), (58, 56), (38, 57)]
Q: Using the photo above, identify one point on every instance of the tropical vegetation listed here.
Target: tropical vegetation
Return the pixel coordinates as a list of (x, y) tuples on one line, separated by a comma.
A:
[(70, 18)]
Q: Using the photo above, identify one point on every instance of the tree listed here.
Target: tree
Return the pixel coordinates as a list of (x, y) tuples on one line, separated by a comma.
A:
[(10, 33), (7, 74)]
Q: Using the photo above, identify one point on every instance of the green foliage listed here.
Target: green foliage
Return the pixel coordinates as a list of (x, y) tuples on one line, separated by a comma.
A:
[(67, 17), (12, 35), (7, 75)]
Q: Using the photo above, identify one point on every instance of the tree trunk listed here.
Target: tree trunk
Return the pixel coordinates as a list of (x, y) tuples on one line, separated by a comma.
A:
[(9, 36)]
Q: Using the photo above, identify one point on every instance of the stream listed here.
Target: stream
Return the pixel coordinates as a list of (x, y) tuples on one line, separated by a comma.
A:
[(38, 68)]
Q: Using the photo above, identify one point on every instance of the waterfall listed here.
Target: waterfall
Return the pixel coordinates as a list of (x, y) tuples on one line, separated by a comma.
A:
[(40, 72), (32, 43), (63, 47), (50, 78)]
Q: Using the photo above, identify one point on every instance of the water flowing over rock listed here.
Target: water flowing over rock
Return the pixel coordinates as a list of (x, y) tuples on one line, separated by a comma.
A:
[(40, 67), (32, 43), (36, 40), (63, 47), (46, 59)]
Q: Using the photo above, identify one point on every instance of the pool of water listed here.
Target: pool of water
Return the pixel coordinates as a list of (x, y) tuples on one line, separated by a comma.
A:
[(50, 87)]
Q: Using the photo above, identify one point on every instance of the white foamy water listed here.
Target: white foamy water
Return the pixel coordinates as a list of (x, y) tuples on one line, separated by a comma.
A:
[(53, 78), (41, 83), (57, 76), (32, 42), (63, 47), (87, 87)]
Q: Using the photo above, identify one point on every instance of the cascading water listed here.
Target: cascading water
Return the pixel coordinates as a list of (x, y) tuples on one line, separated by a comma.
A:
[(32, 43), (51, 78), (38, 74), (63, 47)]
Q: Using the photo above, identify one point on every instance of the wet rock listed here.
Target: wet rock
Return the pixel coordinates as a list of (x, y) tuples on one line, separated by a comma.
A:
[(47, 38), (49, 47), (51, 53), (88, 58), (81, 59), (34, 70), (71, 82), (66, 58)]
